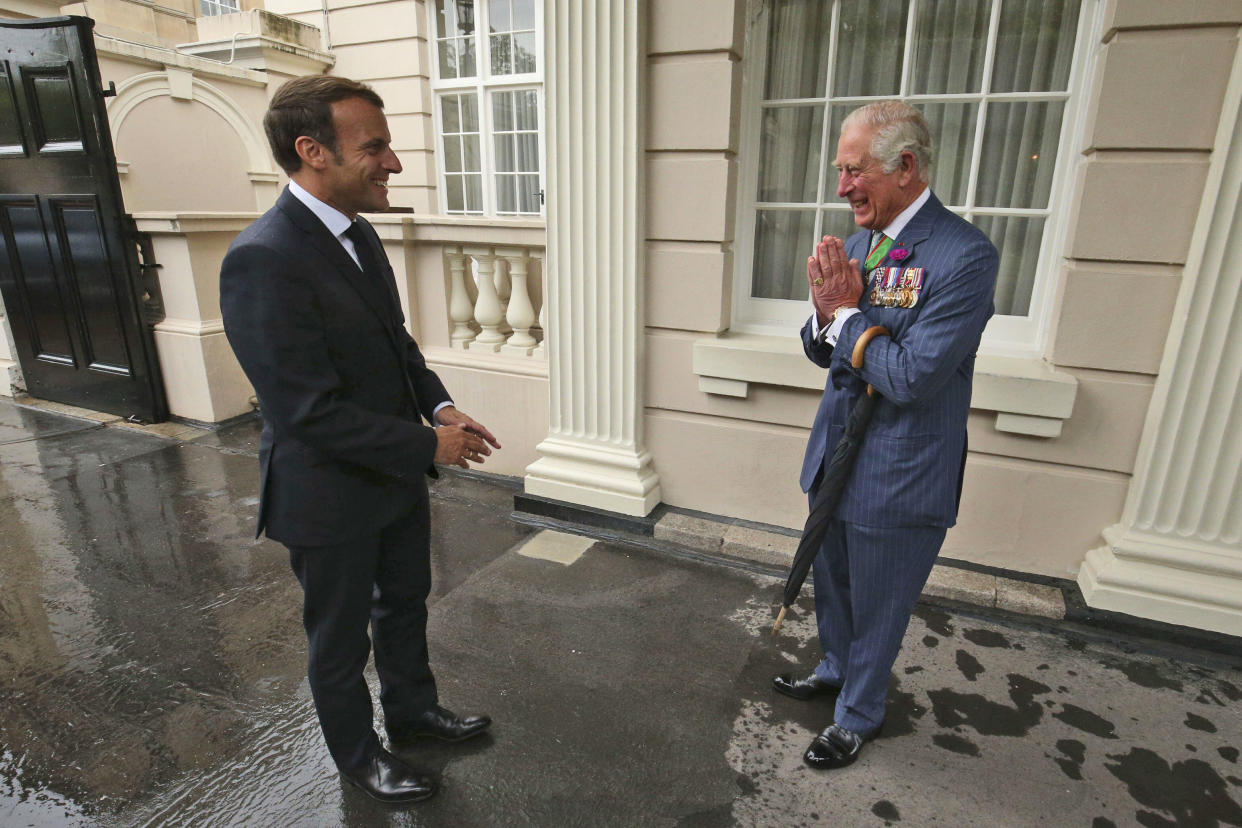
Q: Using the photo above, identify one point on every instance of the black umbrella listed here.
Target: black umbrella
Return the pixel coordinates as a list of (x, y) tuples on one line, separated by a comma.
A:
[(836, 474)]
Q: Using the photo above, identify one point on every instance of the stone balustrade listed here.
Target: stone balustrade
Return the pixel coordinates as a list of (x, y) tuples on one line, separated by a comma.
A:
[(492, 299)]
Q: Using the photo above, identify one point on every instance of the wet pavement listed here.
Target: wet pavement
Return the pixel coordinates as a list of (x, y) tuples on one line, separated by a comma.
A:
[(151, 673)]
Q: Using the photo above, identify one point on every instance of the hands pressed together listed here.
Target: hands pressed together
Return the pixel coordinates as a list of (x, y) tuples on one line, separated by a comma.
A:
[(460, 439), (835, 281)]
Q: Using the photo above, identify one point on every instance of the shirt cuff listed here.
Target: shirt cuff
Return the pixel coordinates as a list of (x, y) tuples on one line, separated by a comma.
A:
[(444, 404), (833, 331)]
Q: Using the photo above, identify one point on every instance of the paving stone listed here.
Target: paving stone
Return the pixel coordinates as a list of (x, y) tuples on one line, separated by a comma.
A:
[(758, 545), (1030, 599), (962, 585), (558, 547), (694, 532)]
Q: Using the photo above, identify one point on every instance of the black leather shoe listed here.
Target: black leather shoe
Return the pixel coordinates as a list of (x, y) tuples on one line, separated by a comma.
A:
[(836, 747), (803, 689), (388, 779), (436, 723)]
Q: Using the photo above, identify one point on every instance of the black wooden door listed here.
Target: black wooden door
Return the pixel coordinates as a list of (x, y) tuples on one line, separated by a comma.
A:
[(68, 259)]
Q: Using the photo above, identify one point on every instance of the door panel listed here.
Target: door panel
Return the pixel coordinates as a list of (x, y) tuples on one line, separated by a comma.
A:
[(68, 257)]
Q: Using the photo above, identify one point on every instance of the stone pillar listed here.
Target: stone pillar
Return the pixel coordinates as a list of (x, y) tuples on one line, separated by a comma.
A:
[(593, 454), (1176, 555)]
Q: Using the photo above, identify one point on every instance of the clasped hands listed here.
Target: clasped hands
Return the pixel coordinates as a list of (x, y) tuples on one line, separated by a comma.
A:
[(460, 440), (835, 281)]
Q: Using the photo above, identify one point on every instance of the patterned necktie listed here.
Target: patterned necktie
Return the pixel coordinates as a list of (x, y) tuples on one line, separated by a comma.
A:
[(878, 251)]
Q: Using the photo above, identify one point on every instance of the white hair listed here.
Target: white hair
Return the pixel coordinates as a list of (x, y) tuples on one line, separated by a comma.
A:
[(898, 128)]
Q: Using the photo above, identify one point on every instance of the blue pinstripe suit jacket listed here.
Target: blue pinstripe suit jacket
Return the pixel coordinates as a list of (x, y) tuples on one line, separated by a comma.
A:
[(909, 468)]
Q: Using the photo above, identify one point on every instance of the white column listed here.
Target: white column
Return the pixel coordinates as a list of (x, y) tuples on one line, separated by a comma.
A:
[(593, 454), (1176, 555)]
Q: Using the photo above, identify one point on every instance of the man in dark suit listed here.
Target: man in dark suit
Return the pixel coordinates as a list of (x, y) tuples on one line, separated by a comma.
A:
[(311, 310), (927, 276)]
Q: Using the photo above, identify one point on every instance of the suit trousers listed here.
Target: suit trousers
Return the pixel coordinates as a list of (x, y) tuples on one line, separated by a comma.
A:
[(867, 580), (382, 581)]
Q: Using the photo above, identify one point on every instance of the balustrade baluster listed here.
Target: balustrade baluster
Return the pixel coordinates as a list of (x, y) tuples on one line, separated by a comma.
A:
[(520, 313), (461, 310), (487, 310)]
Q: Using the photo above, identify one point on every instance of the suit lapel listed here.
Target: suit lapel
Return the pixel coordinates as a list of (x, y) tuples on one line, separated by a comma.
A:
[(919, 228), (329, 246)]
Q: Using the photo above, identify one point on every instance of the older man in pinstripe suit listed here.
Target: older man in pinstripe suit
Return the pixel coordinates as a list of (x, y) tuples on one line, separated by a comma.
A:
[(927, 276)]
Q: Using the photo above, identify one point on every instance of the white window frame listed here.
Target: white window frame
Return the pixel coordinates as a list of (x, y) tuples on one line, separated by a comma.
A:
[(484, 84), (213, 8), (1005, 335)]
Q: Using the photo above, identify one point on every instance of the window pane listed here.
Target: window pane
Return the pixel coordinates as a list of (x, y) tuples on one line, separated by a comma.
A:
[(524, 52), (789, 153), (502, 111), (470, 153), (837, 113), (441, 24), (502, 54), (528, 194), (948, 46), (839, 223), (528, 152), (1035, 45), (469, 113), (504, 153), (456, 17), (453, 193), (498, 18), (953, 144), (452, 154), (448, 59), (1018, 240), (506, 199), (1019, 154), (798, 50), (871, 40), (523, 14), (526, 104), (783, 240), (449, 105), (465, 48), (474, 193)]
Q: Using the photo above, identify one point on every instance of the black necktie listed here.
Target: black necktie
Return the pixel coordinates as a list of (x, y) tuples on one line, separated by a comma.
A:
[(362, 248)]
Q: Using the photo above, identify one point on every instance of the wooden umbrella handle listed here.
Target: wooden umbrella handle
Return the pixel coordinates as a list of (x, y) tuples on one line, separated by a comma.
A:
[(860, 347)]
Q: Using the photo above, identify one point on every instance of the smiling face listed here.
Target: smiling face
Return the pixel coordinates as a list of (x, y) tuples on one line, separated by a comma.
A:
[(876, 197), (354, 179)]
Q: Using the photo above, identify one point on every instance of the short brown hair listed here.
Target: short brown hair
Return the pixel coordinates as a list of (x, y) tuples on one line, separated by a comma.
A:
[(303, 106)]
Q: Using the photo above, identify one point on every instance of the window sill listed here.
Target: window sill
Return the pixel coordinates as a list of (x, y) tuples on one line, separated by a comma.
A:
[(1029, 396)]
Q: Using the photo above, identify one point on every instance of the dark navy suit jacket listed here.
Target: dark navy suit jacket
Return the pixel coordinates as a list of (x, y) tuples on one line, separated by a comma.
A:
[(341, 384), (909, 467)]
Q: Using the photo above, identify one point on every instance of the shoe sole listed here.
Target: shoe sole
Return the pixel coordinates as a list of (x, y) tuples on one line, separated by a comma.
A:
[(814, 694), (413, 740), (391, 801)]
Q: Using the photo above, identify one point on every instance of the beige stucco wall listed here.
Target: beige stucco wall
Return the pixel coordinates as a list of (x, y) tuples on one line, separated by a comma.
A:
[(210, 167), (1034, 504)]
